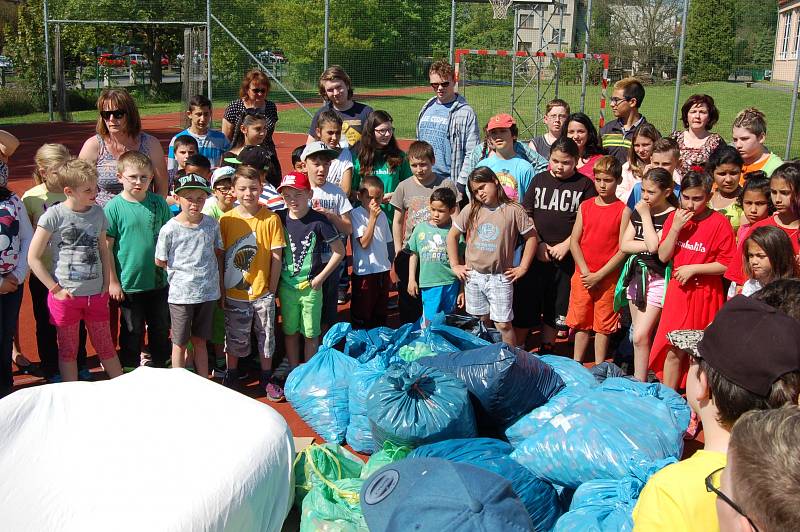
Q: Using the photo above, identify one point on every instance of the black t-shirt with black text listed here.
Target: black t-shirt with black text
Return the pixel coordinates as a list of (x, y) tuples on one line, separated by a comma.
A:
[(553, 204)]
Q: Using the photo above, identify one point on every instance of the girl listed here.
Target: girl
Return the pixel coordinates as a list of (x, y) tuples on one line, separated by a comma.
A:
[(700, 243), (641, 281), (581, 129), (329, 131), (755, 201), (638, 158), (492, 224), (768, 256), (15, 235), (251, 130), (378, 154), (725, 166), (749, 134)]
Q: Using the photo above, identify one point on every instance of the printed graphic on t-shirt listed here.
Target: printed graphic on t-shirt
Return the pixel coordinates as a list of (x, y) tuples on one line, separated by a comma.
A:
[(9, 231), (350, 132), (301, 258), (487, 237), (561, 200), (84, 261), (509, 184), (238, 259), (432, 247)]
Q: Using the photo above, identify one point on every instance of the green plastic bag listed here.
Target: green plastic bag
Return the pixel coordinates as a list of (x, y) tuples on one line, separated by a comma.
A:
[(317, 465), (333, 506), (413, 352), (390, 453)]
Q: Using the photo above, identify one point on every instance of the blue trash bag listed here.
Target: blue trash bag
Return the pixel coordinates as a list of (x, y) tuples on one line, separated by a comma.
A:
[(317, 390), (381, 341), (618, 427), (607, 505), (505, 382), (539, 497), (533, 421), (413, 405), (606, 370), (438, 329), (571, 372), (359, 433)]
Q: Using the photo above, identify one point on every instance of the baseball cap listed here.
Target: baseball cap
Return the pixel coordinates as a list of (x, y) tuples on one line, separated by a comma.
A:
[(317, 147), (296, 180), (255, 156), (222, 173), (434, 494), (192, 181), (503, 120), (749, 342)]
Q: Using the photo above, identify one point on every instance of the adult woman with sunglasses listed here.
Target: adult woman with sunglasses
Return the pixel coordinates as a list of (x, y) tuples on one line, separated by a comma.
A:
[(253, 94), (119, 130)]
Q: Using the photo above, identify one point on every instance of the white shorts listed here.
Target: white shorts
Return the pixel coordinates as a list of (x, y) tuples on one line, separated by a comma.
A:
[(490, 293)]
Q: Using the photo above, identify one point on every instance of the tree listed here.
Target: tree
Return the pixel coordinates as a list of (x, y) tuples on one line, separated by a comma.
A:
[(646, 32), (710, 39), (25, 46)]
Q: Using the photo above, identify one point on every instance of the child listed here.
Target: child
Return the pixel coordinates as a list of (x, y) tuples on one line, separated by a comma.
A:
[(700, 244), (304, 271), (514, 172), (755, 201), (638, 161), (440, 289), (555, 115), (725, 166), (135, 217), (329, 200), (371, 264), (768, 255), (77, 282), (198, 164), (252, 237), (222, 197), (188, 248), (183, 147), (626, 101), (666, 155), (336, 90), (329, 132), (749, 134), (297, 161), (641, 282), (580, 128), (210, 142), (552, 202), (492, 224), (411, 203), (251, 131), (521, 150), (262, 161), (594, 245)]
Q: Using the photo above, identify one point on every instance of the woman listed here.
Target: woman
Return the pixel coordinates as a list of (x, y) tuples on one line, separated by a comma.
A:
[(119, 130), (253, 94), (696, 142), (336, 90), (581, 129)]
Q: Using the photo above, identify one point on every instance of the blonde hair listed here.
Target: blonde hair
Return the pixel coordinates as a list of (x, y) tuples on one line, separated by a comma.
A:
[(75, 172), (48, 157), (752, 120), (135, 159)]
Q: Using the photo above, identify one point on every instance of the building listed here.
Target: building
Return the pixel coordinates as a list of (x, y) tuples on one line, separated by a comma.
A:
[(547, 25), (787, 40)]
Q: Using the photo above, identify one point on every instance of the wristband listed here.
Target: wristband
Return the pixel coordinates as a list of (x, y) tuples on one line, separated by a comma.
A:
[(56, 288)]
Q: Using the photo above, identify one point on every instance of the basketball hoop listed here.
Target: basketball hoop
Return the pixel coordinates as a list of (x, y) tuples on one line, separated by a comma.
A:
[(500, 8)]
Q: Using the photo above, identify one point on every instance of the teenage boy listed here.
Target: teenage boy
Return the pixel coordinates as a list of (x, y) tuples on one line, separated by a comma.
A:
[(252, 237), (304, 270), (336, 90), (411, 201), (666, 155), (210, 142), (514, 173), (449, 124), (626, 101), (725, 380), (135, 217), (555, 114)]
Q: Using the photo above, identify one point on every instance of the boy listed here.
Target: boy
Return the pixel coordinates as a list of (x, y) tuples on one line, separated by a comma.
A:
[(411, 203), (331, 201), (441, 290), (371, 264), (329, 132), (626, 100), (259, 158), (594, 245), (304, 271), (252, 237), (514, 172), (725, 380), (209, 142), (183, 147), (135, 217), (222, 197), (198, 164), (297, 162), (555, 114), (189, 247), (666, 155)]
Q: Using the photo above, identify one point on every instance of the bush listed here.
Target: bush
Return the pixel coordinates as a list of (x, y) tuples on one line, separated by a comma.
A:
[(19, 100)]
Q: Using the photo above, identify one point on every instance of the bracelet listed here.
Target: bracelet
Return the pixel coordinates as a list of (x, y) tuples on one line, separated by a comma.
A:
[(56, 288)]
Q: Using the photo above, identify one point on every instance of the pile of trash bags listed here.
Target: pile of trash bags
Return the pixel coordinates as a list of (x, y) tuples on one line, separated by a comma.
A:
[(577, 446)]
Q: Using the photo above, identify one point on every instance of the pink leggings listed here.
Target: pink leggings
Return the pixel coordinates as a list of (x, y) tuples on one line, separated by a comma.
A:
[(99, 334)]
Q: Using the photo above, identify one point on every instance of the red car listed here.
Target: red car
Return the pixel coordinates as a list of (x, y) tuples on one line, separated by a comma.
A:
[(107, 59)]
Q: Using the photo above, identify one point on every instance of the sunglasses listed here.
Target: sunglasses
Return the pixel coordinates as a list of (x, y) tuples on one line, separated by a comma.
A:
[(116, 113), (443, 85), (258, 91), (257, 113), (712, 486)]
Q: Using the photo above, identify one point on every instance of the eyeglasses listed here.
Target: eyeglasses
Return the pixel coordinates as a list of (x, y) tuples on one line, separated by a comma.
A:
[(258, 91), (712, 486), (385, 131), (617, 101), (137, 178), (116, 113), (443, 85), (224, 190), (559, 117)]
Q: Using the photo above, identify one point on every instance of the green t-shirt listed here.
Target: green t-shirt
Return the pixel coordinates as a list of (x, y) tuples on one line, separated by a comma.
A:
[(134, 226), (390, 178), (429, 242)]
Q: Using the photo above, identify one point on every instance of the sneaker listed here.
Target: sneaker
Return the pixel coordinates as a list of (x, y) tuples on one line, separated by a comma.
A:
[(85, 375), (342, 297), (231, 378), (282, 371), (275, 392)]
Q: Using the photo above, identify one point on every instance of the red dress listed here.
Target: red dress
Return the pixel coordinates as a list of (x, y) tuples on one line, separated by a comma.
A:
[(735, 270), (693, 305)]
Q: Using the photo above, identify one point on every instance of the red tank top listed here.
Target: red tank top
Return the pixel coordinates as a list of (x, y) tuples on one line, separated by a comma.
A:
[(600, 237)]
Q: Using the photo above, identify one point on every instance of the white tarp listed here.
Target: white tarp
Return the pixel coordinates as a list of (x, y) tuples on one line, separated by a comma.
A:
[(153, 450)]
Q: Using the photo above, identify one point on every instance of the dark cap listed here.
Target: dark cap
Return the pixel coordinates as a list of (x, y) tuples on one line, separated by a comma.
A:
[(192, 181), (749, 342), (256, 156)]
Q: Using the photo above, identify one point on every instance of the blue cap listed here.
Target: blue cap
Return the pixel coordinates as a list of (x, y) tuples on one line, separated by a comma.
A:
[(434, 494)]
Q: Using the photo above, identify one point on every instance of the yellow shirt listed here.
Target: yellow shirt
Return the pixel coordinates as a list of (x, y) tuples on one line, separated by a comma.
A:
[(248, 244), (675, 499)]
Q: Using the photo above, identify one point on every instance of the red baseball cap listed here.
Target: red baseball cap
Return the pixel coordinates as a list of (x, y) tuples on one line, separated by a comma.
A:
[(297, 180), (503, 120)]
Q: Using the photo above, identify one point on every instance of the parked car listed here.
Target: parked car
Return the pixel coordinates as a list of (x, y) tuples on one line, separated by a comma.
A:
[(107, 59), (138, 60), (6, 63), (268, 56)]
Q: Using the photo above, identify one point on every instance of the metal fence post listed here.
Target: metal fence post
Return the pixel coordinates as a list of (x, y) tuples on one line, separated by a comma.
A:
[(680, 66), (208, 48), (327, 25), (793, 109), (452, 31), (585, 71), (47, 60)]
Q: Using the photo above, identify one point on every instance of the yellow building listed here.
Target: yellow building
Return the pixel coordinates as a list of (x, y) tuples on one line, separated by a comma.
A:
[(787, 40)]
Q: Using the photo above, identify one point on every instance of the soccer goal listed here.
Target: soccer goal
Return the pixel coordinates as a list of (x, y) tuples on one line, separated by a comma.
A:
[(521, 83)]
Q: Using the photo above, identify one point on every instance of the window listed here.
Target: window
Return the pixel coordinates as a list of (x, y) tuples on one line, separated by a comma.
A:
[(787, 29), (797, 35), (558, 36)]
